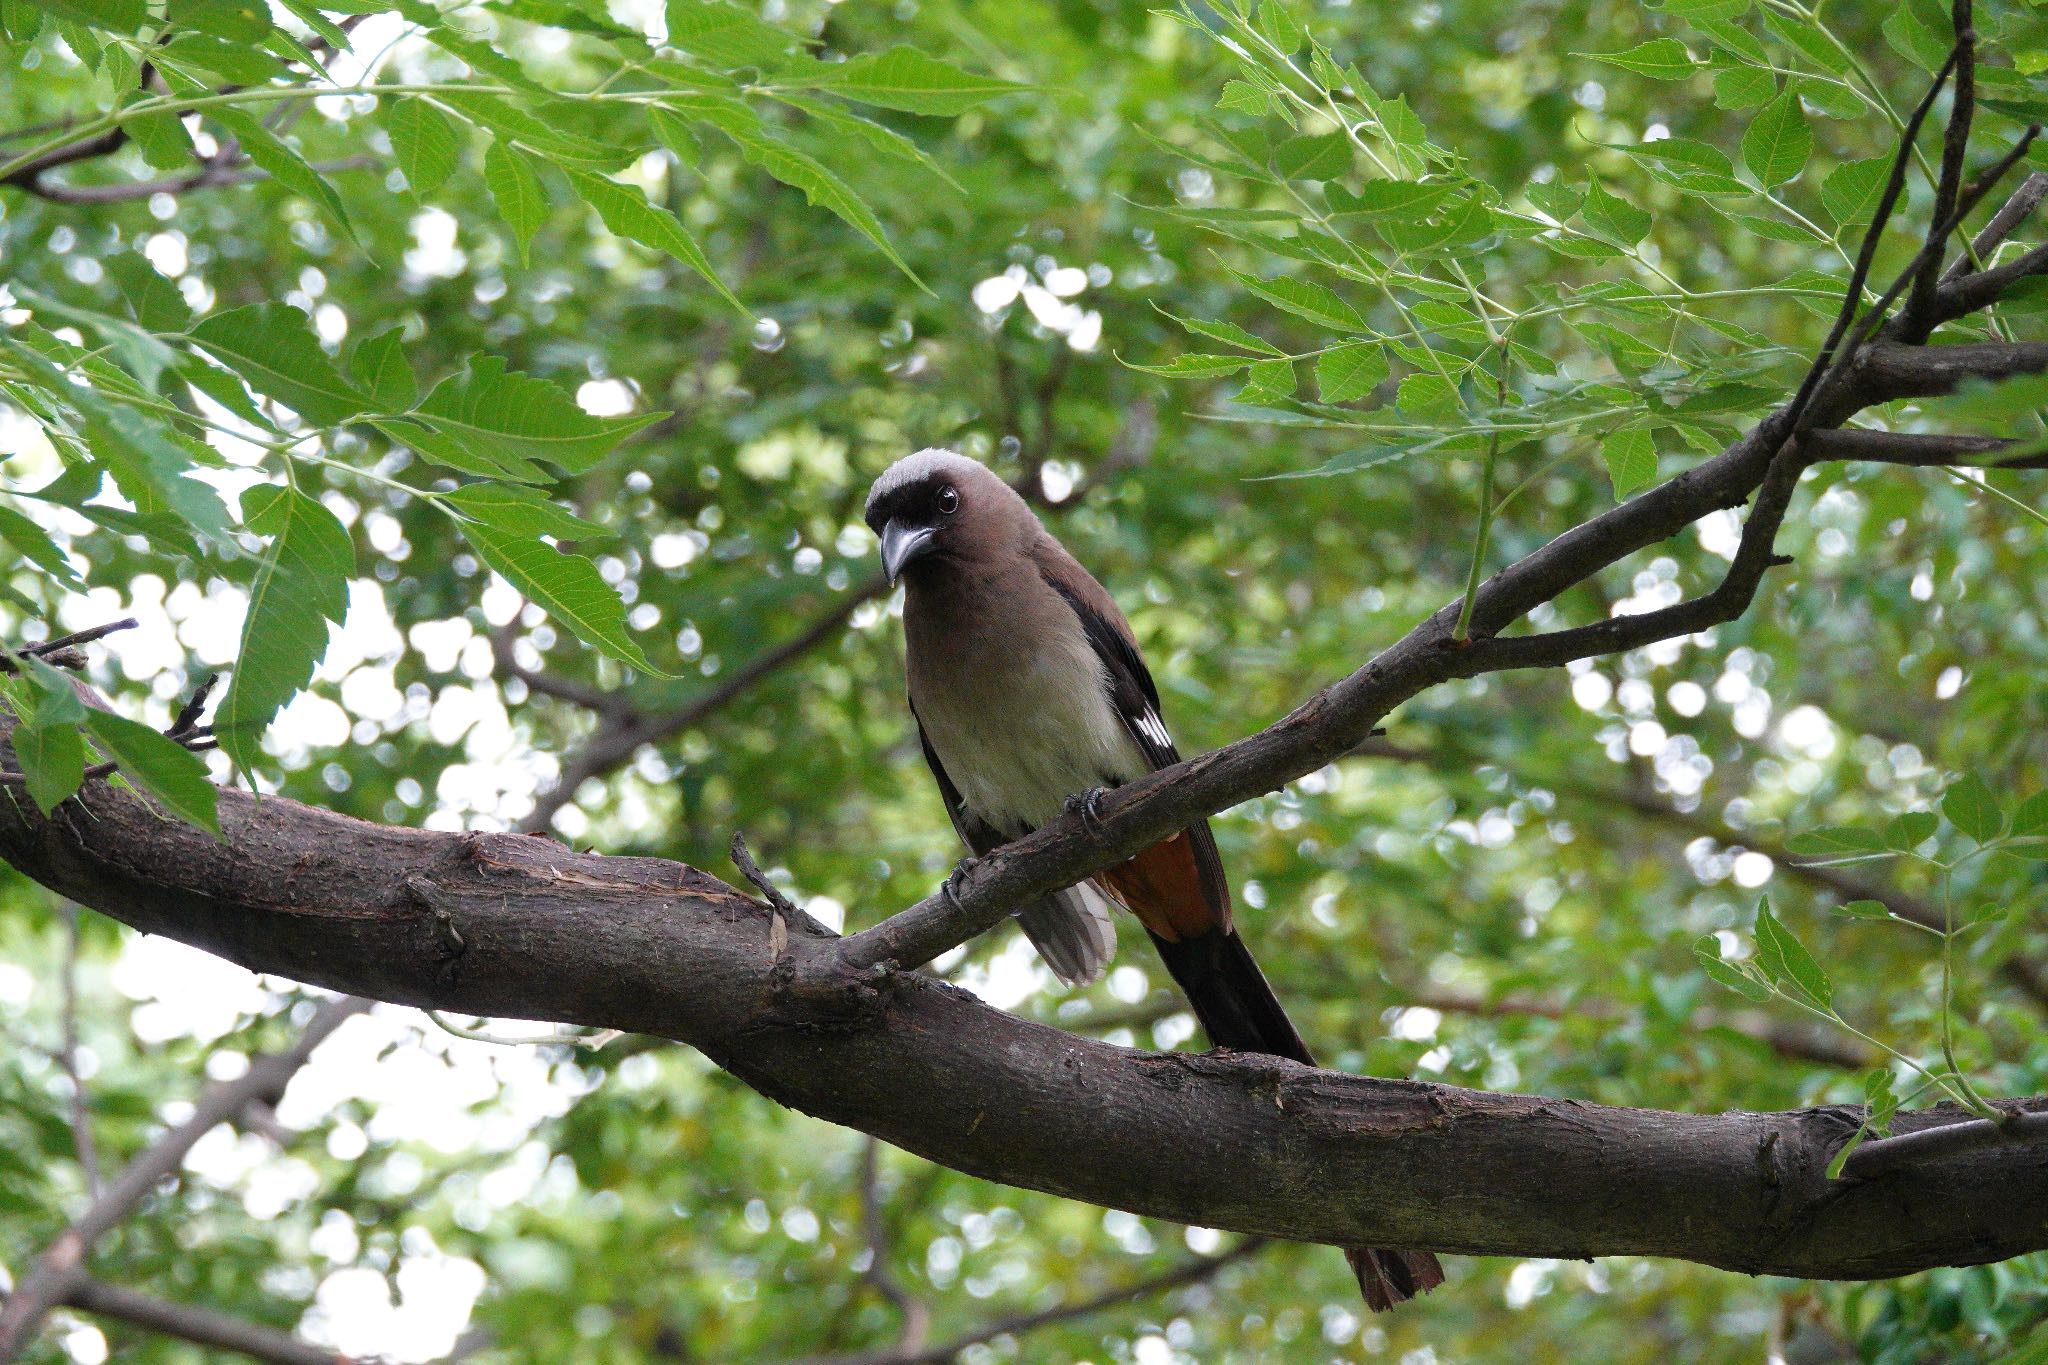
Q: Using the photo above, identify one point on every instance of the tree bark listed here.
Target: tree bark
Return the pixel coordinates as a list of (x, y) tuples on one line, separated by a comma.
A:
[(513, 925)]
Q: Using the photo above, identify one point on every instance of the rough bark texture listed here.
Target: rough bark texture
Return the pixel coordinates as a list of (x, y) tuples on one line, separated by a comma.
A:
[(515, 925)]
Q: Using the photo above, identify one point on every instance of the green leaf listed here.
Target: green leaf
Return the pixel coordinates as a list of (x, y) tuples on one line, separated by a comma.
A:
[(1778, 142), (300, 584), (2032, 816), (1865, 909), (1323, 156), (1307, 299), (1907, 832), (168, 771), (1851, 190), (1785, 959), (726, 34), (1427, 398), (521, 511), (627, 213), (1663, 59), (1848, 1149), (162, 137), (285, 166), (1229, 333), (1883, 1101), (1743, 87), (33, 544), (424, 142), (380, 366), (516, 189), (901, 78), (1734, 975), (1922, 34), (1351, 372), (567, 587), (1194, 366), (1631, 457), (270, 346), (1614, 216), (1411, 199), (1971, 808), (492, 414), (52, 762), (1266, 381), (825, 190), (1835, 839)]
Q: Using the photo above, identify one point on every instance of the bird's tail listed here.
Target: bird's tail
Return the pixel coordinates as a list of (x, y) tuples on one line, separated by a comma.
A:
[(1239, 1010)]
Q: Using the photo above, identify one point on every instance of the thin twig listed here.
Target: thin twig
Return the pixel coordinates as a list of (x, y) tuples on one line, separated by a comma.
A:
[(751, 870), (67, 1057), (207, 1327), (917, 1316), (79, 637)]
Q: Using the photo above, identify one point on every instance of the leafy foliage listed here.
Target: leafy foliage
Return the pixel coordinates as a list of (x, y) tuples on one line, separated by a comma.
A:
[(1352, 284)]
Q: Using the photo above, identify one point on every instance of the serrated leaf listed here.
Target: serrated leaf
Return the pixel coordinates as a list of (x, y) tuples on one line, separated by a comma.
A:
[(380, 366), (423, 141), (492, 413), (284, 165), (33, 544), (1305, 298), (521, 511), (726, 34), (1852, 191), (1971, 808), (1349, 373), (1194, 366), (1865, 909), (1707, 952), (1921, 36), (162, 137), (1427, 398), (1778, 141), (626, 212), (300, 584), (567, 587), (1631, 458), (516, 189), (168, 771), (1785, 959), (1834, 839), (1322, 156), (52, 762), (271, 347), (824, 189), (1229, 333), (1663, 59), (1613, 215), (1266, 381), (1743, 87), (902, 78)]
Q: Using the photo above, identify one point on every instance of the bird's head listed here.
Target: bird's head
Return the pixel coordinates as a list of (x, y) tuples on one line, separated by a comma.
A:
[(936, 506)]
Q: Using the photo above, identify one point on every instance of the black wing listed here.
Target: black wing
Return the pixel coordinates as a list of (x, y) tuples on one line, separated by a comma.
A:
[(1131, 690)]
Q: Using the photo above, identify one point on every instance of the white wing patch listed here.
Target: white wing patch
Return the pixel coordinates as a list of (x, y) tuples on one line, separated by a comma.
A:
[(1154, 729)]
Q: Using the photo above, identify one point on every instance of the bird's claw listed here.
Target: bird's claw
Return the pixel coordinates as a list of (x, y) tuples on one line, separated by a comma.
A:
[(950, 888), (1084, 804)]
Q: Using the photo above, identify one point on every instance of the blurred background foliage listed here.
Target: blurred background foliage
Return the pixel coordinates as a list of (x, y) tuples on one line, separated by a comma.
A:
[(1502, 893)]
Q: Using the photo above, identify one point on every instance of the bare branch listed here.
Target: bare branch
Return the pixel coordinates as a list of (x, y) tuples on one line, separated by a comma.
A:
[(2015, 211), (51, 1278), (210, 176), (917, 1317), (1017, 1324), (200, 1326), (2018, 1129), (1955, 147), (67, 1058)]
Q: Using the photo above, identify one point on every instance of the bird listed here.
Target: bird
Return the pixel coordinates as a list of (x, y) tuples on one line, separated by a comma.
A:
[(1030, 698)]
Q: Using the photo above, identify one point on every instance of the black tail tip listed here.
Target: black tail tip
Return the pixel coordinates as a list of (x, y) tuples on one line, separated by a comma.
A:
[(1390, 1277)]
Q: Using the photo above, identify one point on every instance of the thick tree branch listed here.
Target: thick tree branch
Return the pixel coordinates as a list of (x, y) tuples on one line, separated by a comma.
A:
[(656, 947), (50, 1280)]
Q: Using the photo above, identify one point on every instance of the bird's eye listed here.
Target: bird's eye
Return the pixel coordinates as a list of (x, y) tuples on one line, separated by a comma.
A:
[(949, 500)]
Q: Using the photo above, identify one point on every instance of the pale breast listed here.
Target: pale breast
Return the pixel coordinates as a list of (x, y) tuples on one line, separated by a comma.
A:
[(1019, 717)]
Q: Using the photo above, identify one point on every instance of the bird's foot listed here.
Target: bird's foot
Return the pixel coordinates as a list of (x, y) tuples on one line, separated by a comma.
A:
[(950, 888), (1085, 804)]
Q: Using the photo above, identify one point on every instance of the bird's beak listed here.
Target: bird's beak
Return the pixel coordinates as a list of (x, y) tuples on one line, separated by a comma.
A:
[(901, 544)]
